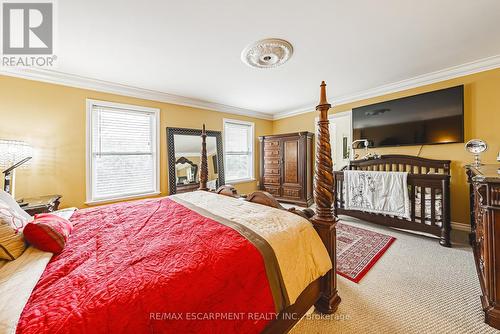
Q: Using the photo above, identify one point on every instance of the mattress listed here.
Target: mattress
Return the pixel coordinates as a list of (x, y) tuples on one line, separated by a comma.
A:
[(130, 266)]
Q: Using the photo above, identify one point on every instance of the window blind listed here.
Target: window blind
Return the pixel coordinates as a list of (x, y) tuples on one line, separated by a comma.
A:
[(238, 150), (123, 152)]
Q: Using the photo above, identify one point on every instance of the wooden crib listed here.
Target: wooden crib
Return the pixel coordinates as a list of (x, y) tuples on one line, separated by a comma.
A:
[(428, 189)]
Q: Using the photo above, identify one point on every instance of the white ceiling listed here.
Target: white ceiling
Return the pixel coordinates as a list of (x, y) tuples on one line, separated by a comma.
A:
[(192, 48)]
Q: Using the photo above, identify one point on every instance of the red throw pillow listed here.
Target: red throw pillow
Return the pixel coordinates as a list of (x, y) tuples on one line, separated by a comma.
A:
[(48, 232)]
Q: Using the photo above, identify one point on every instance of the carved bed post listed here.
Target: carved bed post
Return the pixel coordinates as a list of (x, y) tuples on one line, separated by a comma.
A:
[(203, 162), (324, 220)]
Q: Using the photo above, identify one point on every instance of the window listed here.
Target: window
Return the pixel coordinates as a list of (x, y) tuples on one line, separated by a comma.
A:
[(122, 151), (238, 150)]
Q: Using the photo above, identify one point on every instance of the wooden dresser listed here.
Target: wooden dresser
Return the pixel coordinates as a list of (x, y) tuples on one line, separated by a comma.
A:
[(286, 169), (485, 236)]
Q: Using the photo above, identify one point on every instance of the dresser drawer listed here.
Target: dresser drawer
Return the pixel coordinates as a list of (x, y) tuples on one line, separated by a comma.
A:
[(272, 162), (271, 144), (485, 200), (291, 192), (272, 170), (273, 190), (272, 179), (271, 153)]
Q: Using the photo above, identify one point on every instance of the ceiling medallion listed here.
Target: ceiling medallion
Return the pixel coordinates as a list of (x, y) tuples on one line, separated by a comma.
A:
[(267, 53)]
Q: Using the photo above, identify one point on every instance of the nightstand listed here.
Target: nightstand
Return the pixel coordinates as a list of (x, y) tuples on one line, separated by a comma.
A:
[(42, 204)]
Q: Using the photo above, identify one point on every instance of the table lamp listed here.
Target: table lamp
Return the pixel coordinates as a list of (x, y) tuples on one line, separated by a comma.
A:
[(13, 154)]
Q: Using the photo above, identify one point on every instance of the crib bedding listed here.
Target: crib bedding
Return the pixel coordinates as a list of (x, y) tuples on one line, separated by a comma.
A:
[(130, 267), (438, 206), (438, 209), (377, 192)]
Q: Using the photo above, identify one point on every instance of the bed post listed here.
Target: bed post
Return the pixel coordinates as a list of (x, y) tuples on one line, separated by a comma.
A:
[(203, 162), (324, 220)]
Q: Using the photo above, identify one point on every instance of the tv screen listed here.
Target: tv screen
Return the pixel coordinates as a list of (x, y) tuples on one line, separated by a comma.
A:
[(431, 118)]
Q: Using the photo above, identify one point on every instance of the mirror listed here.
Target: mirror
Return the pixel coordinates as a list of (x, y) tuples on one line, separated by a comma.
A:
[(184, 152), (188, 161), (186, 171), (476, 147)]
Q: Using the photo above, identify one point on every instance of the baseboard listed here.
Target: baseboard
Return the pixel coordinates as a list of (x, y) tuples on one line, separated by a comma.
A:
[(460, 227)]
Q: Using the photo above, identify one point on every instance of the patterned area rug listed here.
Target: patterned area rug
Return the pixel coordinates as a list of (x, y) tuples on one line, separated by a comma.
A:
[(358, 250)]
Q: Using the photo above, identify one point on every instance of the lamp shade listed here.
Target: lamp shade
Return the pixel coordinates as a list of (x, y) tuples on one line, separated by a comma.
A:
[(12, 151)]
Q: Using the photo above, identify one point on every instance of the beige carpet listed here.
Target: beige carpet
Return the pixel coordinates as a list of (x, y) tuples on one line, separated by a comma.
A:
[(416, 287)]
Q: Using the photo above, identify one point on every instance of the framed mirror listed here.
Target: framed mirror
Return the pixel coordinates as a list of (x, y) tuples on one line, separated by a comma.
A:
[(184, 159), (476, 147)]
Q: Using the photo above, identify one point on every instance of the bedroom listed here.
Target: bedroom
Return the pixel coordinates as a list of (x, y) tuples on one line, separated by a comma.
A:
[(180, 66)]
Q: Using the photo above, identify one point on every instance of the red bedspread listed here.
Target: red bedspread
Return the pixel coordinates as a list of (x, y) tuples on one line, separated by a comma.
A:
[(150, 266)]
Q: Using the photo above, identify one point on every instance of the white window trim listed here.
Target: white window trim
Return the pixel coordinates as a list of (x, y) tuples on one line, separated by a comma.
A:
[(88, 163), (252, 156), (233, 182)]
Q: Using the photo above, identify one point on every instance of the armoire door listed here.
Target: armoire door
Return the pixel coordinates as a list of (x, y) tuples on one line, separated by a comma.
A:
[(291, 172)]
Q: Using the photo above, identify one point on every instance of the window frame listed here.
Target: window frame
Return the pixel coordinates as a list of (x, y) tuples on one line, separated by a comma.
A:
[(91, 103), (251, 153)]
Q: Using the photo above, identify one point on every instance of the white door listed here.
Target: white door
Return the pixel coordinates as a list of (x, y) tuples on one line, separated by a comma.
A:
[(333, 144), (343, 139), (340, 138)]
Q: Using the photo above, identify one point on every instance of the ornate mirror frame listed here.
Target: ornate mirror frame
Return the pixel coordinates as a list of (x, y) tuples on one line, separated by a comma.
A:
[(172, 185)]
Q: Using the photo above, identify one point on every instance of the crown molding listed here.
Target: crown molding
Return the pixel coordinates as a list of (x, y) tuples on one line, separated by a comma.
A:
[(72, 80), (418, 81), (77, 81), (294, 112)]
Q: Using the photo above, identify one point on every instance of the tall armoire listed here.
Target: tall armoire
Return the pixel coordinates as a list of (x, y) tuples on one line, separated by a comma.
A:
[(286, 169)]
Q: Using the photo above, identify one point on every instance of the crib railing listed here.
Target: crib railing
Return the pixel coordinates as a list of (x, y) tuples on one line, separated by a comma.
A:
[(428, 190)]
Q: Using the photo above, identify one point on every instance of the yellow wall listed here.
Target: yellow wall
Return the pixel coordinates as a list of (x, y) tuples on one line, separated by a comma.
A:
[(482, 120), (52, 119)]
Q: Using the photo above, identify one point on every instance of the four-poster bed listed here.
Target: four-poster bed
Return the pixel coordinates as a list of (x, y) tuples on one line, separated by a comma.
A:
[(161, 263), (321, 293)]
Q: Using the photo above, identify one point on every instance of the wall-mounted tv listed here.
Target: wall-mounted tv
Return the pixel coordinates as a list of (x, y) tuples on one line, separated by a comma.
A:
[(431, 118)]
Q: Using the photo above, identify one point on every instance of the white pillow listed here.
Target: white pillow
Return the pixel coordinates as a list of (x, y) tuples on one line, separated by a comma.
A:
[(10, 217), (12, 204)]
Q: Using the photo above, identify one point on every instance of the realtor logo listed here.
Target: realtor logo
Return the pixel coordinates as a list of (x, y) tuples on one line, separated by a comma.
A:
[(27, 28), (28, 34)]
